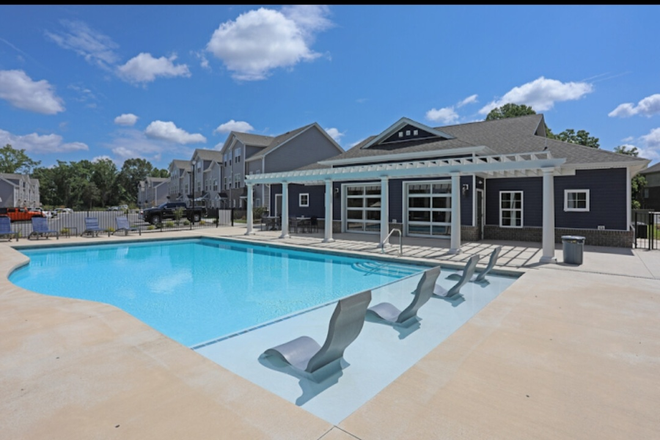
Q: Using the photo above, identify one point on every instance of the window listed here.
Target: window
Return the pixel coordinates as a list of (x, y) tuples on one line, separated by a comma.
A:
[(511, 209), (576, 200), (303, 200), (257, 202), (237, 180)]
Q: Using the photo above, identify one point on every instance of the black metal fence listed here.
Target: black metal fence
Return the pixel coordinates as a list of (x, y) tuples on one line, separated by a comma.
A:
[(73, 223), (647, 229)]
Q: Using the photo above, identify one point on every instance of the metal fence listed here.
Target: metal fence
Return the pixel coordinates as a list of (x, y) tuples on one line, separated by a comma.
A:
[(647, 229), (70, 224)]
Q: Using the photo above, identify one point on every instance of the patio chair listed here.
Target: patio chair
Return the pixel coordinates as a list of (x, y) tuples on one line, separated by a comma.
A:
[(92, 227), (467, 273), (481, 277), (389, 313), (123, 225), (5, 228), (317, 362), (40, 229), (314, 224)]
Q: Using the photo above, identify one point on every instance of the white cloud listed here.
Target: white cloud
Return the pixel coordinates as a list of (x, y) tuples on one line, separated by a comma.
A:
[(334, 134), (128, 119), (648, 106), (541, 94), (145, 68), (167, 131), (239, 126), (131, 143), (469, 100), (445, 115), (264, 39), (21, 92), (95, 47), (100, 158), (40, 144)]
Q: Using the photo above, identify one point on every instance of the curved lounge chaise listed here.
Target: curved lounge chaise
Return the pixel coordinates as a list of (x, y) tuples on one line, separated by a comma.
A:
[(389, 313), (467, 273), (481, 277), (40, 229), (317, 362)]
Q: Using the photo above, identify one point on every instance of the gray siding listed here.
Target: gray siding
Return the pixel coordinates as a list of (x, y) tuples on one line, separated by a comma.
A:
[(307, 148)]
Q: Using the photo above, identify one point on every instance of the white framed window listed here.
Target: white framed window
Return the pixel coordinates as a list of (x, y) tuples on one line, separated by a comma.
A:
[(511, 209), (576, 200), (303, 200), (257, 202), (237, 180)]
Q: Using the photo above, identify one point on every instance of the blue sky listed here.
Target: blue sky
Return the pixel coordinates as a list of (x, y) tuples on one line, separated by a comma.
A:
[(157, 82)]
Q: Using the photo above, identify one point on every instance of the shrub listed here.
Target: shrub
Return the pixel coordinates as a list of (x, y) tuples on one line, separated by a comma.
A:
[(151, 228), (169, 224)]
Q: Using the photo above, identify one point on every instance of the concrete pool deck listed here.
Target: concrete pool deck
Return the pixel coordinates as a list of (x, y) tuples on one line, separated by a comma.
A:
[(565, 352)]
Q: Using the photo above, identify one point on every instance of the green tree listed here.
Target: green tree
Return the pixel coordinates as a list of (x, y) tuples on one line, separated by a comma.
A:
[(159, 173), (132, 172), (104, 178), (16, 161), (582, 137), (510, 111), (638, 182)]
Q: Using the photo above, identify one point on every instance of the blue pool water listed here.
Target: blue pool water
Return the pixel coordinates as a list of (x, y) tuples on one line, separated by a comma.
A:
[(198, 290)]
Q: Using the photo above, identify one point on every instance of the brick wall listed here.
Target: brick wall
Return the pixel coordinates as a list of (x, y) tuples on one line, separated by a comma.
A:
[(593, 237)]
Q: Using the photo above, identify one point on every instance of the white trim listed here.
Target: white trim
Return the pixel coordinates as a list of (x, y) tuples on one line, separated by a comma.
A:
[(408, 156), (398, 125), (629, 198), (568, 209), (522, 223), (300, 200), (517, 165)]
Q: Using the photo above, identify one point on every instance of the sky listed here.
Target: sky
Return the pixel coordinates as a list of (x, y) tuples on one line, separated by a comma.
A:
[(157, 82)]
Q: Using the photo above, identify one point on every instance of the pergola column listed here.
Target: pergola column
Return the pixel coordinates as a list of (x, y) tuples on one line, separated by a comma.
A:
[(384, 211), (455, 242), (249, 209), (285, 210), (327, 238), (548, 217)]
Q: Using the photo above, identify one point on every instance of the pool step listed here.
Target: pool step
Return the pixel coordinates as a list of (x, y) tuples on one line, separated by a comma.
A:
[(372, 267)]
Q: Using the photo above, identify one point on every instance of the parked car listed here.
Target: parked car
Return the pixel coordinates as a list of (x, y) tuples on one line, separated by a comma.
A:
[(20, 214), (113, 208)]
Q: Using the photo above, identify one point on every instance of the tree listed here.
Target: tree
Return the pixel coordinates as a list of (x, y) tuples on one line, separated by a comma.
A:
[(13, 161), (638, 182), (510, 111), (104, 178), (132, 172), (582, 137)]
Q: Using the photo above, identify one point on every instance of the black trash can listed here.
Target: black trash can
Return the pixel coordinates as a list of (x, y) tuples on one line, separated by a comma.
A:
[(573, 248), (641, 230)]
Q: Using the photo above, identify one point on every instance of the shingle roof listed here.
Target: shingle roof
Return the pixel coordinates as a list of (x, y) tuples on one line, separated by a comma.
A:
[(654, 169), (502, 136), (208, 154)]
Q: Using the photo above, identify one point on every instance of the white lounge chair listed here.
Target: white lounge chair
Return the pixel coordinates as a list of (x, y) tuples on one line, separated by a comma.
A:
[(467, 273), (389, 313), (317, 362), (481, 276)]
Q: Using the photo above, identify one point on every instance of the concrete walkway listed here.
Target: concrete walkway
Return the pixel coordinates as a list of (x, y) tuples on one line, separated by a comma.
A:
[(566, 352)]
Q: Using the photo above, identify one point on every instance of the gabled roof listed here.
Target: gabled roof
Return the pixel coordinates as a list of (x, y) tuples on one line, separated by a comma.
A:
[(180, 164), (205, 154), (524, 134), (394, 133), (284, 138)]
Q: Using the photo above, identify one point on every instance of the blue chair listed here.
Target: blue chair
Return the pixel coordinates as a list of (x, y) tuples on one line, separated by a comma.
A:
[(389, 313), (5, 228), (123, 225), (40, 229), (92, 227), (317, 362)]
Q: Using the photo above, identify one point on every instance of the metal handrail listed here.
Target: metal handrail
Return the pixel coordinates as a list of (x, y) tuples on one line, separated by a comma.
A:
[(400, 241)]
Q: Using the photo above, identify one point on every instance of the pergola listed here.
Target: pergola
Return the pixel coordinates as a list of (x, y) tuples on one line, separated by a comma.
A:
[(501, 165)]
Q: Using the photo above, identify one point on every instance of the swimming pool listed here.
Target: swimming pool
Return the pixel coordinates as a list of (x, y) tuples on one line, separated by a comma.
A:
[(201, 290)]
